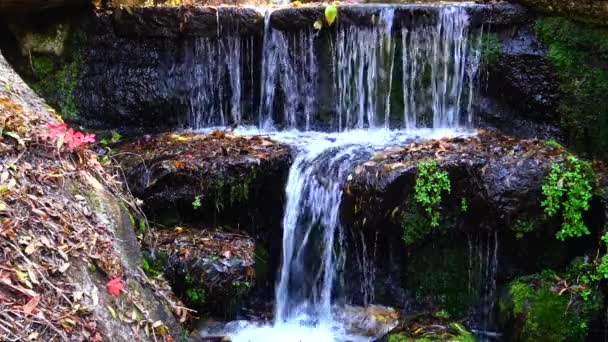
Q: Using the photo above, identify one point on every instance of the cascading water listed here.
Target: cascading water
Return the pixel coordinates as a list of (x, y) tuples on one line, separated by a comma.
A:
[(438, 65), (289, 64)]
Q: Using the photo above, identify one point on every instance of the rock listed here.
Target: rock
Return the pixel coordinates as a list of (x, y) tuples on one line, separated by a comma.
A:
[(95, 244), (435, 327), (172, 22), (492, 216), (589, 11), (522, 72), (544, 307), (212, 271), (236, 179), (371, 321), (29, 6)]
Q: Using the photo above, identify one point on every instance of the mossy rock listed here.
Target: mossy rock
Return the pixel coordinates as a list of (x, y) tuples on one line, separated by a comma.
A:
[(540, 307), (438, 274), (579, 54), (437, 327)]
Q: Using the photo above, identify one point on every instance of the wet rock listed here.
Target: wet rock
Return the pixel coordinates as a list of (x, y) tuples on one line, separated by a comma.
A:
[(590, 11), (492, 216), (370, 321), (297, 18), (215, 178), (437, 327), (191, 21), (211, 270), (547, 306), (522, 72)]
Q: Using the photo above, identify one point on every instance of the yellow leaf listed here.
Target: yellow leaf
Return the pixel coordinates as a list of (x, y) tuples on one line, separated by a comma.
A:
[(318, 25), (296, 3), (112, 312), (331, 12)]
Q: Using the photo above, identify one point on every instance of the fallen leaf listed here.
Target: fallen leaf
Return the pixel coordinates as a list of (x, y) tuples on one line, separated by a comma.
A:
[(114, 286), (31, 305)]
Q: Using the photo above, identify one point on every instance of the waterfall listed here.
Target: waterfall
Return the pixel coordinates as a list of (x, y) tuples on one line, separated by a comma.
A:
[(213, 74), (314, 193), (435, 64), (434, 59), (288, 64)]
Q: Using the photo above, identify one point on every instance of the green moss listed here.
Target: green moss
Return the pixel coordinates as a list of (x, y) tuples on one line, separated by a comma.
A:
[(195, 296), (490, 48), (579, 53), (153, 267), (56, 70), (538, 312), (415, 224), (454, 332), (523, 226), (439, 276)]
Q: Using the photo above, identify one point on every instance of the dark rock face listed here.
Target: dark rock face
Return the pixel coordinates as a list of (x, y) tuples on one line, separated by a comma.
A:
[(212, 271), (239, 180), (490, 221), (522, 93)]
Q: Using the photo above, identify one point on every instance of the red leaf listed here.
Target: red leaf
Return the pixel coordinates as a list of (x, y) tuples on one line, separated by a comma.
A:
[(114, 286), (31, 305)]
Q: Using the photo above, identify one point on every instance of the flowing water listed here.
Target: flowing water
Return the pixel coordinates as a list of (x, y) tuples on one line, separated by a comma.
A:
[(436, 67)]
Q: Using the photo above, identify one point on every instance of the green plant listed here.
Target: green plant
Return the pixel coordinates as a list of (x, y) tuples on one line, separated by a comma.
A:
[(196, 203), (430, 184), (490, 48), (464, 205), (114, 137), (567, 188), (522, 227), (196, 296)]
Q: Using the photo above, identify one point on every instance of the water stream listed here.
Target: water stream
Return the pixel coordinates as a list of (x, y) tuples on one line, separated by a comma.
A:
[(436, 67)]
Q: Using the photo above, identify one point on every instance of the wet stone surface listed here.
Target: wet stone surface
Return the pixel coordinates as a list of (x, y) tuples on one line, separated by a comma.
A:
[(211, 270), (233, 178)]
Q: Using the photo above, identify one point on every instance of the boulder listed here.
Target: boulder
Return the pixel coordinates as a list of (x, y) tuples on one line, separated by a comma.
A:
[(491, 216), (67, 227), (211, 270), (216, 177), (548, 307)]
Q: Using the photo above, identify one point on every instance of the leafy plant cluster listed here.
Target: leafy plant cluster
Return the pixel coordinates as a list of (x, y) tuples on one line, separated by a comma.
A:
[(69, 137), (567, 189), (430, 185)]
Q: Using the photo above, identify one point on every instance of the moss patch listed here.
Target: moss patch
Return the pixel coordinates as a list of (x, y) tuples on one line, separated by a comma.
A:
[(534, 310), (490, 48), (579, 53), (438, 273)]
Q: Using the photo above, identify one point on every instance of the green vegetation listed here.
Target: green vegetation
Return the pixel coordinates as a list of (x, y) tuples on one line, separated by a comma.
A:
[(464, 205), (414, 224), (154, 266), (421, 215), (453, 332), (438, 274), (521, 227), (113, 138), (567, 188), (542, 307), (579, 53), (195, 296), (490, 48), (58, 82), (196, 203), (430, 184)]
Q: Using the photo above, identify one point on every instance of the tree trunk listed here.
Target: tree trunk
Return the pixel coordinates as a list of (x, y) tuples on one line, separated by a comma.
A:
[(589, 11)]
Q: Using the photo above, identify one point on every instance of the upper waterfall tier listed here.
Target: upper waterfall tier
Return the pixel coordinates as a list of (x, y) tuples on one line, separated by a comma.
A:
[(377, 66)]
